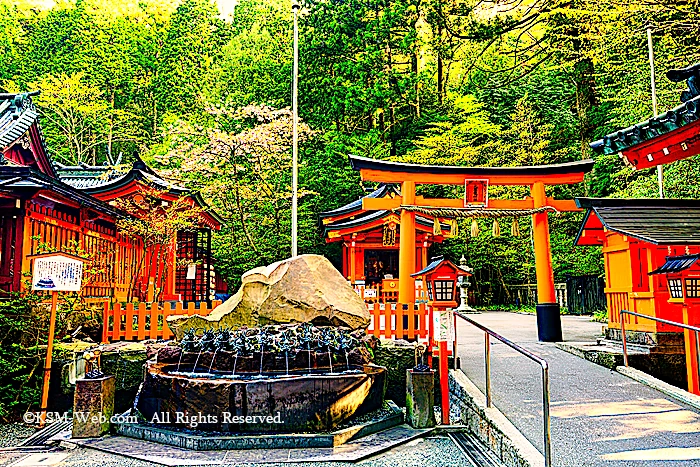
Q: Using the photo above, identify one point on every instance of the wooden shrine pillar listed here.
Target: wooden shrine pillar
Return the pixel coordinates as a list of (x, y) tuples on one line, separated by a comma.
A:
[(346, 272), (407, 247), (171, 258), (691, 353), (548, 318), (353, 261)]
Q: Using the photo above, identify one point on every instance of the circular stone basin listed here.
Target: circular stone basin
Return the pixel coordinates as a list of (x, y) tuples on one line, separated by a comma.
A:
[(253, 403)]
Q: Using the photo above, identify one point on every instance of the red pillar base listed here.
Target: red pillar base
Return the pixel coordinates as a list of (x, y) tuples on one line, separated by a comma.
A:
[(444, 384)]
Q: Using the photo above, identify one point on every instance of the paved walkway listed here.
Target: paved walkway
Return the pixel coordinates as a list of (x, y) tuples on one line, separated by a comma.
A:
[(599, 417)]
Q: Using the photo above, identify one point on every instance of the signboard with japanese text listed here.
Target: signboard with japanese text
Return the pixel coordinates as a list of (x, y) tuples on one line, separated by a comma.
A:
[(57, 273), (443, 325)]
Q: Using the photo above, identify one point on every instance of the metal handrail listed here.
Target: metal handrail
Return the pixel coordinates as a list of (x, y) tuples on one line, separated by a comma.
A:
[(660, 320), (488, 333)]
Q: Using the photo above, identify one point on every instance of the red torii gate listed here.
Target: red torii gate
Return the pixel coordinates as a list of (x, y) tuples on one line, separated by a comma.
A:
[(476, 204)]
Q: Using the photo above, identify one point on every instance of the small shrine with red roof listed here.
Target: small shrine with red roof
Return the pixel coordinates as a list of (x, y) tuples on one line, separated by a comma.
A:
[(651, 246), (44, 204), (370, 241)]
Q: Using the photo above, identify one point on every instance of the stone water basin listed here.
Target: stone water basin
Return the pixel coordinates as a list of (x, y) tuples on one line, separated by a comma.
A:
[(296, 403)]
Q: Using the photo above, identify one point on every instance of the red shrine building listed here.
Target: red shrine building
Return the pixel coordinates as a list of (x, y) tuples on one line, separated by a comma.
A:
[(371, 241), (46, 205), (651, 246)]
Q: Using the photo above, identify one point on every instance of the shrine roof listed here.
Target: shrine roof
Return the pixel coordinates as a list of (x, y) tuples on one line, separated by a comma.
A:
[(94, 180), (656, 221), (435, 263), (23, 180), (675, 264), (371, 216), (655, 127), (517, 175), (17, 113), (381, 192), (98, 179)]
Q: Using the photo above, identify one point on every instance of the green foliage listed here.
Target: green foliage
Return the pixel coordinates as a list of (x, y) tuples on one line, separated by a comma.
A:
[(20, 357)]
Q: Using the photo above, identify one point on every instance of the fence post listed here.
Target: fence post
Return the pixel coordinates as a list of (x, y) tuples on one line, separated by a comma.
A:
[(624, 337), (142, 324), (154, 321), (487, 361), (116, 322), (105, 322)]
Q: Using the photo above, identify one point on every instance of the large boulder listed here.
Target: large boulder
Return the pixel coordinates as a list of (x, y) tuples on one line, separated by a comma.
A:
[(306, 288)]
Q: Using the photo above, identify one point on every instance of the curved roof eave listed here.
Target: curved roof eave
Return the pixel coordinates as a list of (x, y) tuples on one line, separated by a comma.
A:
[(135, 175), (356, 205), (376, 215)]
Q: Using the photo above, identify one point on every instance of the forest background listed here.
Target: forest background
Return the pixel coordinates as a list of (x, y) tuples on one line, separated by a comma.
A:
[(204, 98)]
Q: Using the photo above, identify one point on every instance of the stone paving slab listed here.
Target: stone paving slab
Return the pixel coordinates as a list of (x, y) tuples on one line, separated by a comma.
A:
[(599, 417), (433, 450), (171, 456)]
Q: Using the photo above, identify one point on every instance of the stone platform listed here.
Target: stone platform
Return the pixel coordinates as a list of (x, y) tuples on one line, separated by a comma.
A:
[(155, 453), (388, 417)]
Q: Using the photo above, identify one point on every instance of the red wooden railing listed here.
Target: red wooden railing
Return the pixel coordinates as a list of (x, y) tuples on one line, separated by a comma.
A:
[(145, 321)]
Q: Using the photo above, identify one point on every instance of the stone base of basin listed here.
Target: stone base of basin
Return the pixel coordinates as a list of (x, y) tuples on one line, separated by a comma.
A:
[(272, 403), (391, 417)]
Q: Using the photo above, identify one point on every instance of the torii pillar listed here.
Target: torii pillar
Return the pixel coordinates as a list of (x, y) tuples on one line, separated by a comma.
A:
[(548, 317), (407, 247)]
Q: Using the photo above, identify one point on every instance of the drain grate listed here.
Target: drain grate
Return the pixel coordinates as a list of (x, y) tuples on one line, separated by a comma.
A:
[(42, 436), (474, 450)]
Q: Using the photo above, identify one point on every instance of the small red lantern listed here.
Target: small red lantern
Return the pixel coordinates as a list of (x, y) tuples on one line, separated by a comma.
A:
[(440, 277)]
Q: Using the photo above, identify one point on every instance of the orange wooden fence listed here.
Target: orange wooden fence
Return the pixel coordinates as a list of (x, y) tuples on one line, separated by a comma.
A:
[(148, 321), (145, 321), (391, 320), (375, 293)]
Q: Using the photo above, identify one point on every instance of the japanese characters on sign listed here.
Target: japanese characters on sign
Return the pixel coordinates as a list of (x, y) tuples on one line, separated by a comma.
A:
[(57, 273), (443, 325)]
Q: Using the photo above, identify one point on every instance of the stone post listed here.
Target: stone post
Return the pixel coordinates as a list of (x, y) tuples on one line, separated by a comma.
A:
[(463, 284), (93, 406), (420, 398)]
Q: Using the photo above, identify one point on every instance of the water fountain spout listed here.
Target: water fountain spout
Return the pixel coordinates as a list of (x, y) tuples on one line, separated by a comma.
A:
[(263, 338), (205, 343), (286, 343)]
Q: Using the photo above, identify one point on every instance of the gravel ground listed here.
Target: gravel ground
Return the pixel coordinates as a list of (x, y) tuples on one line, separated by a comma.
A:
[(11, 434), (436, 451)]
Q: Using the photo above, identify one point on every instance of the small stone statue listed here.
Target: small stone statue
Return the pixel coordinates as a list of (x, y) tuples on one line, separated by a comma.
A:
[(420, 352), (691, 75), (92, 370)]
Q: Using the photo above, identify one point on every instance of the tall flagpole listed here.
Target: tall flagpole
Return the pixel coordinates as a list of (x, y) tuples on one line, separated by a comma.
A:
[(659, 168), (295, 131)]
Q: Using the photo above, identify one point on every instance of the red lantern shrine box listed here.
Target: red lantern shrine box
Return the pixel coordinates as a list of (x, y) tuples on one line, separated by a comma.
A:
[(683, 276), (440, 277)]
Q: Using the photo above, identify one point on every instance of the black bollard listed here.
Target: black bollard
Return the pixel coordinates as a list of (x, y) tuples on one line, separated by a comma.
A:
[(548, 322)]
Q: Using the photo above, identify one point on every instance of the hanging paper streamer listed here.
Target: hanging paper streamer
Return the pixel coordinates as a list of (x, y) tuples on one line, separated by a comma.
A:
[(475, 228), (496, 229), (453, 228), (437, 230), (515, 228)]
